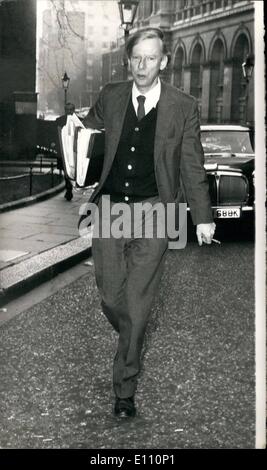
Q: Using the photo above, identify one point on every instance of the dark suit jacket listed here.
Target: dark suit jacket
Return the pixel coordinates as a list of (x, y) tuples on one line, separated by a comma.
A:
[(59, 123), (178, 152)]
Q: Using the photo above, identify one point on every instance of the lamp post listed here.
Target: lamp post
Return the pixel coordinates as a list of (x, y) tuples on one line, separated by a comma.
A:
[(65, 85), (247, 69), (127, 10)]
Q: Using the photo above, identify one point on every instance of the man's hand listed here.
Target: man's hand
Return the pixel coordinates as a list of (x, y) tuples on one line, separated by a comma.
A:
[(205, 233)]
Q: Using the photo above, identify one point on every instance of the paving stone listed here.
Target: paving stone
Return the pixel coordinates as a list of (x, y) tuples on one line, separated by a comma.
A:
[(20, 272), (10, 255), (19, 233), (40, 227), (50, 237)]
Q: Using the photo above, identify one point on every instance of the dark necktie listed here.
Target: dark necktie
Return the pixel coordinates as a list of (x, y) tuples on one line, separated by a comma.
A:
[(141, 107)]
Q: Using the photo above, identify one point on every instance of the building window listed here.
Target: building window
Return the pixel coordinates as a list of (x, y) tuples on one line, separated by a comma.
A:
[(218, 4), (216, 82), (148, 8), (196, 10), (196, 73), (156, 6), (178, 71), (105, 31), (141, 10), (238, 82)]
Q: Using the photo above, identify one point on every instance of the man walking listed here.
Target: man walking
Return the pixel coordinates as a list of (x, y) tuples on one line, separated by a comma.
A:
[(152, 143), (61, 122)]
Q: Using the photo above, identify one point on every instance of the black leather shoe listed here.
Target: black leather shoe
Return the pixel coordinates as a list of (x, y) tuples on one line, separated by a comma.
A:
[(124, 407), (68, 196)]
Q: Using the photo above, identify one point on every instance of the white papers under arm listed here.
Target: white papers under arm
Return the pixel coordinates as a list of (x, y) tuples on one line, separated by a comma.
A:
[(75, 120), (84, 144), (67, 140), (77, 143)]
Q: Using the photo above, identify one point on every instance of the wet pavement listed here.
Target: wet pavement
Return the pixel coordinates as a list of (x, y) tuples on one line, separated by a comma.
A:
[(196, 388), (39, 241), (34, 229)]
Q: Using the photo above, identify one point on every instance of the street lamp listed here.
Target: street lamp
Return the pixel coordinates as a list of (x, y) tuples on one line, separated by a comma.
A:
[(127, 10), (65, 85), (247, 69)]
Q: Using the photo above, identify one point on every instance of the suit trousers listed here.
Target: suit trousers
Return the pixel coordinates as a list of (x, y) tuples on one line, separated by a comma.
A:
[(128, 270)]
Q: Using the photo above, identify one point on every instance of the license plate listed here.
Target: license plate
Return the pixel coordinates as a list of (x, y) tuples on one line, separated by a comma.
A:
[(229, 213)]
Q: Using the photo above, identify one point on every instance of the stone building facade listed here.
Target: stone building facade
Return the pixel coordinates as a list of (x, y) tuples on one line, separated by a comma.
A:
[(17, 77), (208, 41)]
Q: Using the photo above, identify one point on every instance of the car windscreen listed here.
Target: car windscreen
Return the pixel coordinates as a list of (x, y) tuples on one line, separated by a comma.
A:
[(214, 141)]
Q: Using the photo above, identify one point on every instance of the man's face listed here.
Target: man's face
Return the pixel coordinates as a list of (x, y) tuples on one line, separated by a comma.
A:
[(146, 62), (69, 109)]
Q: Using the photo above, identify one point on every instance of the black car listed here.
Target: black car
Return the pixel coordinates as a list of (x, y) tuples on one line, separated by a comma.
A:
[(229, 163)]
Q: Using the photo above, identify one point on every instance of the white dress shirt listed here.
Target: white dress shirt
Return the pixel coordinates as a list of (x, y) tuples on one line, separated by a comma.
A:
[(152, 97)]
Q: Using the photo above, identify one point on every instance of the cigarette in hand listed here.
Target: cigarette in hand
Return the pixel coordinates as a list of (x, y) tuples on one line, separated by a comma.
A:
[(215, 241)]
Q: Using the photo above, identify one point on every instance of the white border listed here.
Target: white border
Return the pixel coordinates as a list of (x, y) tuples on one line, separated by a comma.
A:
[(260, 295)]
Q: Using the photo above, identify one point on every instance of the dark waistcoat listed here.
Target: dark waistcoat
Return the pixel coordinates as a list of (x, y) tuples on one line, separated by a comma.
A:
[(132, 176)]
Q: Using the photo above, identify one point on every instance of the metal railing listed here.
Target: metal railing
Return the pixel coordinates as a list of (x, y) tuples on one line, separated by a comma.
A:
[(30, 174)]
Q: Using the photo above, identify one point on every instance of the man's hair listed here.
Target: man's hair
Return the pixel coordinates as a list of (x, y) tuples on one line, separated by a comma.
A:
[(69, 106), (145, 33)]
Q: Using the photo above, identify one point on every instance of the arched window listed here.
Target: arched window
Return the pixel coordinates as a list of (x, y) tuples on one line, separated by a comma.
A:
[(156, 6), (148, 8), (178, 71), (216, 82), (140, 14), (196, 72), (238, 104)]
